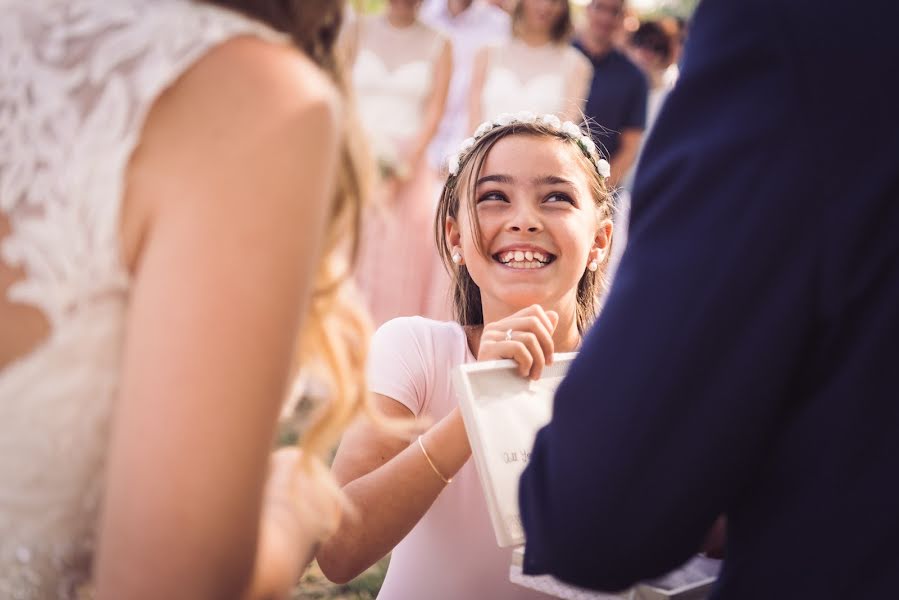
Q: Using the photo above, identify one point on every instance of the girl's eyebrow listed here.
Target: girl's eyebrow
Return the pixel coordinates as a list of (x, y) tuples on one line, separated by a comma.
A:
[(552, 180), (496, 178), (542, 180)]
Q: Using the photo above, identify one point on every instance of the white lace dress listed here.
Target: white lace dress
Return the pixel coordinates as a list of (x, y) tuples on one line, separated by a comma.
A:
[(77, 78)]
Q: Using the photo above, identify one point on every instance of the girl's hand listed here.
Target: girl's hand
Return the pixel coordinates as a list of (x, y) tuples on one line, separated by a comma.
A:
[(526, 337)]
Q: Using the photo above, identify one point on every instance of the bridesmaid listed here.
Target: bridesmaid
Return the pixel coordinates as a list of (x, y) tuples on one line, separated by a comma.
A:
[(401, 76), (536, 70)]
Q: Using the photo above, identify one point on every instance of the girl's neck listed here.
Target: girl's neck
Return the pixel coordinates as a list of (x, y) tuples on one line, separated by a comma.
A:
[(534, 39), (400, 19), (457, 7)]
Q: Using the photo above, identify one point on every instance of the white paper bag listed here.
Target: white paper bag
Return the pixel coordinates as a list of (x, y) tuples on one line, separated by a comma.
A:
[(503, 412)]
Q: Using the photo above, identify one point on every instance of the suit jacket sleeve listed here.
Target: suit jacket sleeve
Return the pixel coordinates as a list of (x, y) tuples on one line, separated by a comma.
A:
[(679, 388)]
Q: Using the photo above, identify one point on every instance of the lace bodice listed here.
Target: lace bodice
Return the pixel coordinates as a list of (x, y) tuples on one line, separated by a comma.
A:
[(392, 77), (519, 77), (77, 78)]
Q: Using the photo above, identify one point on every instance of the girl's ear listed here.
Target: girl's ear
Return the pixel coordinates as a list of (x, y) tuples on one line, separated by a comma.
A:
[(602, 242), (453, 234), (453, 240)]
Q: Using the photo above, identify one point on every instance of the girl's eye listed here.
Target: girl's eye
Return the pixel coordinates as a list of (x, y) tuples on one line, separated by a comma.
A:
[(496, 196), (559, 197)]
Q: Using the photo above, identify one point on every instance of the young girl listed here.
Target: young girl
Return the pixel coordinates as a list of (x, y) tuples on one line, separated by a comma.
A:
[(524, 225)]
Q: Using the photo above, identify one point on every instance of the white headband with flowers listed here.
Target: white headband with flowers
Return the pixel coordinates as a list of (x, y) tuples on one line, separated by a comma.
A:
[(568, 128)]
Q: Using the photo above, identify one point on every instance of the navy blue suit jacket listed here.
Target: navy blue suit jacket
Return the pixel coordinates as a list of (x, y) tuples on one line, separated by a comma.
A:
[(747, 360)]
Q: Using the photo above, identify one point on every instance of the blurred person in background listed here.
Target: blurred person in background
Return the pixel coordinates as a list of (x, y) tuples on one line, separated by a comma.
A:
[(536, 70), (470, 25), (174, 176), (676, 27), (618, 91), (651, 49), (401, 75)]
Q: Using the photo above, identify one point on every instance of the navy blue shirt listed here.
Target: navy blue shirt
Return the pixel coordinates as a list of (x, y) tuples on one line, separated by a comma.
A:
[(746, 362), (617, 99)]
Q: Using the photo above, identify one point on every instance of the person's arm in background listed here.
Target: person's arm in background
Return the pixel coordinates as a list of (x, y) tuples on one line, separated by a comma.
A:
[(677, 392), (478, 75), (577, 86), (228, 198), (632, 131), (434, 107), (348, 39), (628, 147)]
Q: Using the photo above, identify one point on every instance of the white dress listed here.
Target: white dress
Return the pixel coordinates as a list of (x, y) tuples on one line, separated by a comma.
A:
[(552, 78), (77, 78), (399, 271)]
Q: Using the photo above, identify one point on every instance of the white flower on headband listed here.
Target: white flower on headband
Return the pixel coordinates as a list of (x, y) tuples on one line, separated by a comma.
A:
[(483, 128), (526, 116), (505, 119), (587, 144), (551, 121), (568, 128), (452, 164), (571, 129), (604, 168)]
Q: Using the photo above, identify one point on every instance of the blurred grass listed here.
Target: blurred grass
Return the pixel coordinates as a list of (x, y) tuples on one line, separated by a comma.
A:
[(314, 585)]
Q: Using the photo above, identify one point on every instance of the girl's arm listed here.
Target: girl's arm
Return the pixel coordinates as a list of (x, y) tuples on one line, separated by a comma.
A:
[(390, 483), (478, 76), (434, 107), (227, 200)]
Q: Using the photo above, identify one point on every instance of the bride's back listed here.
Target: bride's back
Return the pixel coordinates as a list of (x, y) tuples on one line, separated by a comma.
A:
[(77, 80)]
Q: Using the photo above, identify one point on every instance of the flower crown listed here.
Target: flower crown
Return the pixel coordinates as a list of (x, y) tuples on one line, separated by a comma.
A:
[(568, 128)]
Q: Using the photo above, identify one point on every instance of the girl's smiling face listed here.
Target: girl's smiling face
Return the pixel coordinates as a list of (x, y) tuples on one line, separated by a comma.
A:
[(539, 225)]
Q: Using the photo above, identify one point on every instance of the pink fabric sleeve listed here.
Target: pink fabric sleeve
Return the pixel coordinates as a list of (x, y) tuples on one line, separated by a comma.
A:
[(397, 365)]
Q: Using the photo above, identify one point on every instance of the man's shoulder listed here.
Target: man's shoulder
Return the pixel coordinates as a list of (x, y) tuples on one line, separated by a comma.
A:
[(625, 66)]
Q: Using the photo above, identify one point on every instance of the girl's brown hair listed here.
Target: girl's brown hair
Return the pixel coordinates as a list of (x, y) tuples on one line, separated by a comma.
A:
[(561, 29), (336, 329), (466, 293)]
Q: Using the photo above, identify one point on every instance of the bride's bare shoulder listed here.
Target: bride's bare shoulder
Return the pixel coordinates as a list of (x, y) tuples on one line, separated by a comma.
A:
[(250, 73)]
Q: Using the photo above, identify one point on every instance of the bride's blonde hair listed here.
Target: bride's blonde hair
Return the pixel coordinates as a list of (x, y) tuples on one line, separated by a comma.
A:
[(332, 346)]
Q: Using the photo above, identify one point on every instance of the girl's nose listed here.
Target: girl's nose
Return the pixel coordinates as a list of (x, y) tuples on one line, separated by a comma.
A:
[(525, 219)]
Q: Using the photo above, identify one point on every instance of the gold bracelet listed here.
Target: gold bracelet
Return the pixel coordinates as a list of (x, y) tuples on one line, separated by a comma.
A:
[(430, 462)]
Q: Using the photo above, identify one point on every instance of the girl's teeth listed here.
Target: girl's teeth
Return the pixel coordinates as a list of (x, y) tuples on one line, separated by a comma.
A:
[(525, 265), (529, 255), (538, 256), (519, 256)]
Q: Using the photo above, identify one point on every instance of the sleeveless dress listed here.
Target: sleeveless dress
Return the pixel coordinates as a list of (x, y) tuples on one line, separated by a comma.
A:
[(538, 79), (77, 79), (398, 272)]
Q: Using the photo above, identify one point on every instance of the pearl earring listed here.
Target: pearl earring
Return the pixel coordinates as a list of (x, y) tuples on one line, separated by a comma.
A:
[(457, 257), (594, 264)]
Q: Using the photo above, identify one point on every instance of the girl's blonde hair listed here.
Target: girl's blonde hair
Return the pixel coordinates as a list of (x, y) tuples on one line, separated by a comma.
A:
[(466, 293), (333, 343)]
